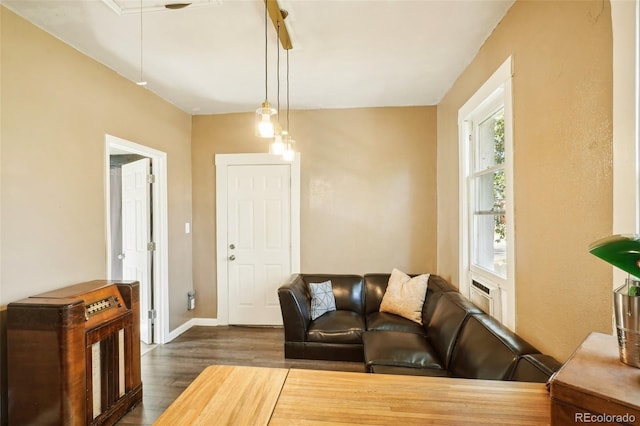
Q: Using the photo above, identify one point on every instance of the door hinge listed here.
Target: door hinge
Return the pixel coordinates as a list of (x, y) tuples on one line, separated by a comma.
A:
[(152, 315), (151, 246), (151, 178)]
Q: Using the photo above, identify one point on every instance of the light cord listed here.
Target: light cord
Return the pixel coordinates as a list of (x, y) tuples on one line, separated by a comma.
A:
[(141, 32), (266, 48), (287, 90), (278, 65)]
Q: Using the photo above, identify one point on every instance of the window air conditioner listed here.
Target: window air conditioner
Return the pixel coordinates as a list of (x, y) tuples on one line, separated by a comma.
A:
[(487, 297)]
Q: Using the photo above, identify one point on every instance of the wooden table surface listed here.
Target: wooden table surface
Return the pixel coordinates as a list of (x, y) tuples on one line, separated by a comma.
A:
[(226, 395), (261, 396)]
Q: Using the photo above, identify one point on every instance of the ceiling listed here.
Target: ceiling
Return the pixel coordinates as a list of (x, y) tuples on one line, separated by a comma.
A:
[(208, 58)]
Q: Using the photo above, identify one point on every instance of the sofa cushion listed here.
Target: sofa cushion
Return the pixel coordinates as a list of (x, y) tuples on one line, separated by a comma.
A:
[(487, 350), (375, 285), (337, 327), (384, 321), (405, 295), (450, 313), (322, 299), (348, 290), (437, 286), (437, 283), (394, 348)]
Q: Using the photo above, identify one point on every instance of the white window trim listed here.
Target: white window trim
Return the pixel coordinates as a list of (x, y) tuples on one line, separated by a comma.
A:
[(500, 81), (625, 19)]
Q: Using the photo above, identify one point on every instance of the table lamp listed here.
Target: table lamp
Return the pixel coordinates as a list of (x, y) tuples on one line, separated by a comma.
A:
[(623, 251)]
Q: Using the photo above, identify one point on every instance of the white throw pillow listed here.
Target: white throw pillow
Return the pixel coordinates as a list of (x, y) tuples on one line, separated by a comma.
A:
[(405, 295), (322, 299)]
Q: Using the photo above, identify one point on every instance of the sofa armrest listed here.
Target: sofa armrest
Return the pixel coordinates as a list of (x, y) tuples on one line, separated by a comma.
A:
[(535, 368), (295, 302), (486, 349)]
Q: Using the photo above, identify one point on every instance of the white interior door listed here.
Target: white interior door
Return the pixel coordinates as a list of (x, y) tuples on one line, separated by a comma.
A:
[(136, 234), (259, 241)]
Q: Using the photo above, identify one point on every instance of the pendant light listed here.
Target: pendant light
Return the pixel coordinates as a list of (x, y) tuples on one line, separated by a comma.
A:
[(289, 143), (141, 81), (277, 146), (265, 115)]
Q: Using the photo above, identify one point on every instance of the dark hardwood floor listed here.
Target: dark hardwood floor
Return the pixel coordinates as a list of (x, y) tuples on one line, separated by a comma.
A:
[(168, 369)]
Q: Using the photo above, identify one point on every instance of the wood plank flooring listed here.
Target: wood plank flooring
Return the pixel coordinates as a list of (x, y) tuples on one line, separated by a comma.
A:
[(168, 369)]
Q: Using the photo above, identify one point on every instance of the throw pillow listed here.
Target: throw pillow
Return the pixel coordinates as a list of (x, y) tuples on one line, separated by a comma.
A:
[(405, 295), (322, 299)]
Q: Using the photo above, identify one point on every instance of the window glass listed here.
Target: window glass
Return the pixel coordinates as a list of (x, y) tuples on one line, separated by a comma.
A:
[(490, 195), (490, 148), (490, 250), (488, 185)]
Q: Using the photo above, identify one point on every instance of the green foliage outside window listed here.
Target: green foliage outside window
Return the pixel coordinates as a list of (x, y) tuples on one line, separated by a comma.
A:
[(499, 179)]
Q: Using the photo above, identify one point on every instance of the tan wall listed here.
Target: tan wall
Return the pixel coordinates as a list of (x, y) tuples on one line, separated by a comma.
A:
[(57, 106), (368, 189), (562, 97)]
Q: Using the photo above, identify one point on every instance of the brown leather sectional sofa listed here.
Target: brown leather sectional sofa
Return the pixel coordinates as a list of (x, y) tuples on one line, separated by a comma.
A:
[(456, 339)]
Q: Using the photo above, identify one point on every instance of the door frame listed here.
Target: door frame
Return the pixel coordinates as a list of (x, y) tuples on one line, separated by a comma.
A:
[(160, 227), (222, 161)]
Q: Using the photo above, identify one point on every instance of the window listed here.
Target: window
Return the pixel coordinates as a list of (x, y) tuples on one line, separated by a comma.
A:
[(487, 194), (486, 198)]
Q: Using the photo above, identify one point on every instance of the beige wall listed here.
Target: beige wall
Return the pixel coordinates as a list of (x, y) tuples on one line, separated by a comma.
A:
[(562, 97), (57, 106), (368, 175), (368, 189)]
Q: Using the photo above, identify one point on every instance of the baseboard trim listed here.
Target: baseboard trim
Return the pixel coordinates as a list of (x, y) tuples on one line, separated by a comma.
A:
[(209, 322)]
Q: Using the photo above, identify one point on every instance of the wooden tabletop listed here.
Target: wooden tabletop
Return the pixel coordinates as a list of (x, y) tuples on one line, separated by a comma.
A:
[(226, 395), (312, 396), (252, 395)]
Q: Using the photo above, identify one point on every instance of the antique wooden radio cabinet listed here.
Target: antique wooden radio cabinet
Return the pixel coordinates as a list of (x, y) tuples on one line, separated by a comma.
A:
[(73, 355)]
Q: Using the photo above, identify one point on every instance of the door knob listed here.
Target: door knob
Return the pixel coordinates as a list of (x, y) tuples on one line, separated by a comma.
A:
[(121, 256), (232, 257), (232, 246)]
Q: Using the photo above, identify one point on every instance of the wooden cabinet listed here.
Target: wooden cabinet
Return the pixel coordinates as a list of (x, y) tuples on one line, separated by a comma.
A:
[(594, 386), (73, 355)]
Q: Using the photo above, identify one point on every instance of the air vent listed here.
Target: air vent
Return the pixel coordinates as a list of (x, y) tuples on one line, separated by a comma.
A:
[(481, 287)]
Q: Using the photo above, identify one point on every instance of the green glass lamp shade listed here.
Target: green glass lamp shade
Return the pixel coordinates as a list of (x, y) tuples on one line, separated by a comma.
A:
[(622, 251)]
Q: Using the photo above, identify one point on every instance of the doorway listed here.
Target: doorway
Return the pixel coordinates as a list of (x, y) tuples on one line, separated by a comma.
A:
[(132, 229), (258, 235), (137, 228)]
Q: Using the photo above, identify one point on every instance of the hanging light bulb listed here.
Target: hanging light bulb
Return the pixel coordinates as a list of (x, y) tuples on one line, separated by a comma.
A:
[(277, 147), (289, 153), (265, 115)]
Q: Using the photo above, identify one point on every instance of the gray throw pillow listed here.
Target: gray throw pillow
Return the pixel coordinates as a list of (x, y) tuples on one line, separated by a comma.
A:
[(322, 299)]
